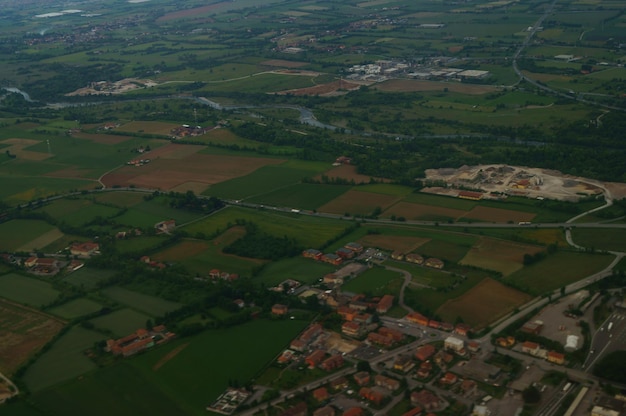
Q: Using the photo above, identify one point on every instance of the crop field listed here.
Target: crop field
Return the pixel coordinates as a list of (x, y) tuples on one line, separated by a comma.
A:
[(424, 275), (444, 250), (64, 361), (604, 239), (484, 303), (147, 213), (297, 268), (169, 170), (401, 243), (482, 213), (78, 212), (139, 245), (149, 127), (356, 202), (18, 233), (542, 236), (76, 308), (422, 212), (88, 277), (304, 195), (23, 331), (376, 282), (406, 85), (151, 305), (226, 137), (102, 138), (558, 270), (310, 231), (120, 199), (26, 290), (441, 201), (122, 322), (502, 256), (181, 251), (262, 181)]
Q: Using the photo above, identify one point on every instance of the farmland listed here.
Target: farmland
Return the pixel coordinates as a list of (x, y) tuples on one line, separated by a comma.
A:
[(148, 304), (121, 322), (26, 290), (18, 233), (502, 256), (76, 308), (376, 282)]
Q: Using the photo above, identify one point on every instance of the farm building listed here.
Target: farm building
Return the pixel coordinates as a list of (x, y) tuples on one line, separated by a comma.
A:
[(165, 226), (414, 258), (86, 249), (434, 263), (279, 309)]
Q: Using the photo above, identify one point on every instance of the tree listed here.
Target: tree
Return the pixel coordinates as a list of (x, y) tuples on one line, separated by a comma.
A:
[(363, 366), (531, 395)]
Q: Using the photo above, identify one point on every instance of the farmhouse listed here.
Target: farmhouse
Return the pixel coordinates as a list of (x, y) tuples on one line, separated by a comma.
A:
[(356, 247), (279, 309), (556, 357), (312, 253), (414, 258), (344, 253), (332, 258), (138, 341), (42, 266), (397, 255), (165, 226), (86, 249), (434, 263)]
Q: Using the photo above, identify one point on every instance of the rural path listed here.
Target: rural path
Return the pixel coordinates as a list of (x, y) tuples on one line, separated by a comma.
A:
[(12, 387)]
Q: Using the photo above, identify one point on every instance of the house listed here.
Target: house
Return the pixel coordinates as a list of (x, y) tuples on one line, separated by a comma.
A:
[(311, 332), (321, 394), (362, 378), (315, 358), (416, 411), (427, 400), (507, 342), (434, 324), (41, 262), (353, 411), (448, 379), (392, 333), (340, 383), (347, 313), (424, 352), (462, 329), (298, 410), (403, 363), (442, 358), (446, 326), (530, 347), (387, 382), (165, 226), (345, 253), (324, 411), (298, 345), (311, 253), (434, 263), (332, 258), (397, 255), (473, 346), (556, 357), (454, 344), (138, 341), (332, 362), (414, 258), (279, 309), (376, 338), (356, 247), (417, 318), (424, 369), (351, 329), (213, 273), (385, 303), (469, 387), (371, 395), (86, 249)]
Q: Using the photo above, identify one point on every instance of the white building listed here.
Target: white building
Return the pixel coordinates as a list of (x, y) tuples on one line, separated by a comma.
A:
[(453, 343)]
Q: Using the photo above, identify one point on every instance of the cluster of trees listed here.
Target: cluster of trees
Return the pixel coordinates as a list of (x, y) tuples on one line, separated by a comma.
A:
[(260, 245)]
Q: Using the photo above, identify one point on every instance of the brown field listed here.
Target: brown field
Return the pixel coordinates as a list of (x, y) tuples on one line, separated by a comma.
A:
[(409, 85), (195, 187), (166, 173), (169, 356), (17, 147), (283, 63), (486, 302), (498, 215), (120, 199), (70, 173), (324, 89), (404, 244), (102, 138), (23, 331), (412, 211), (182, 250), (149, 127), (358, 203), (349, 173), (42, 241), (229, 236), (502, 256), (195, 12)]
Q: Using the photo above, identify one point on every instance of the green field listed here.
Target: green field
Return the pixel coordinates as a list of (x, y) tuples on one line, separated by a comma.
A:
[(303, 195), (147, 213), (600, 239), (76, 308), (150, 305), (139, 245), (558, 270), (78, 212), (88, 277), (375, 282), (16, 233), (122, 322), (297, 268), (26, 290), (424, 275), (64, 361)]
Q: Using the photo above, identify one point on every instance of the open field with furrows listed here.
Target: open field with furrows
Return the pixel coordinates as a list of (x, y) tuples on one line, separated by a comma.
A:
[(88, 277), (122, 322), (18, 233), (120, 198), (78, 212), (166, 173), (44, 240), (375, 282), (604, 239), (502, 256), (297, 268), (66, 360), (23, 331), (302, 195), (151, 305), (407, 85), (26, 290), (17, 147), (265, 179), (27, 189), (149, 127), (558, 270), (541, 236), (349, 173), (310, 231), (412, 211), (489, 214), (356, 202), (401, 243), (76, 308), (181, 251), (483, 304)]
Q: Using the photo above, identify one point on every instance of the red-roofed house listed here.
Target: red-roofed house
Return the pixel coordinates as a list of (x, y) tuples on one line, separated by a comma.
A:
[(386, 382), (556, 357), (279, 309), (531, 348), (362, 378), (416, 411), (354, 411), (448, 379), (426, 400), (325, 411), (414, 258), (315, 358), (321, 394), (371, 395), (424, 352), (351, 329), (332, 363), (434, 263), (86, 249), (462, 329), (417, 318), (385, 304)]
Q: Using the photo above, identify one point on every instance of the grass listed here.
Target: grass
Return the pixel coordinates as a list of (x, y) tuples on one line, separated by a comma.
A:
[(147, 213), (64, 361), (76, 308), (297, 268), (376, 282), (424, 275), (122, 322), (139, 245), (151, 305), (26, 290), (600, 239), (445, 250), (558, 270), (303, 195), (17, 233), (88, 277)]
